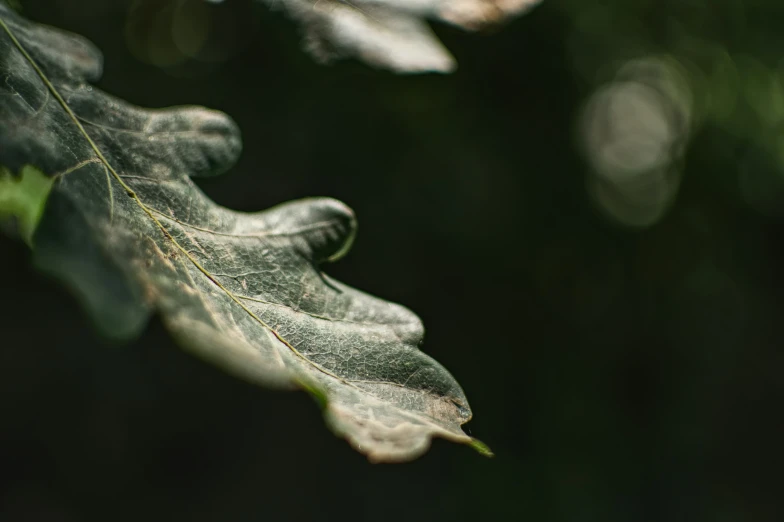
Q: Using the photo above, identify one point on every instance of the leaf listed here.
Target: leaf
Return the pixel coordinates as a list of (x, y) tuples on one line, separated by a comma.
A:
[(393, 34), (24, 198), (127, 229)]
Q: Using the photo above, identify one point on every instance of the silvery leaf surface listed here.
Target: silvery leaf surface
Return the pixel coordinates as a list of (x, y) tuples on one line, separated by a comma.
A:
[(125, 227)]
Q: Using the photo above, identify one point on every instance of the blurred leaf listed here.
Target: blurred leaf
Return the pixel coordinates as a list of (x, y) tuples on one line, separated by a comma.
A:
[(392, 34), (128, 230), (24, 198)]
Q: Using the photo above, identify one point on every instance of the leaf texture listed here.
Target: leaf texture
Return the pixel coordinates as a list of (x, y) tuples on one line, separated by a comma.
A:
[(127, 229)]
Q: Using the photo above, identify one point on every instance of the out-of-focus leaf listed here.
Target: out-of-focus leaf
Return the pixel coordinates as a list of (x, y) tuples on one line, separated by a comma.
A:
[(127, 229), (393, 34), (23, 199)]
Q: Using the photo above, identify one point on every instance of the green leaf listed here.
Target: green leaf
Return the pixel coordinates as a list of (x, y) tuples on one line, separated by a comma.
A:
[(24, 198), (128, 230)]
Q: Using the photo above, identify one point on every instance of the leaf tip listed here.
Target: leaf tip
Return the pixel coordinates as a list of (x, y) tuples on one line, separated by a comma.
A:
[(481, 448)]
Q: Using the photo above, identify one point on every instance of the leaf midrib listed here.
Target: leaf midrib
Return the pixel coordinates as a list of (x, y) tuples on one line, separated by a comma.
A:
[(147, 210)]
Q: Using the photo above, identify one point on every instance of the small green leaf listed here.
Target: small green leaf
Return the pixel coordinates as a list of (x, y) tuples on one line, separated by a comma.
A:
[(24, 198)]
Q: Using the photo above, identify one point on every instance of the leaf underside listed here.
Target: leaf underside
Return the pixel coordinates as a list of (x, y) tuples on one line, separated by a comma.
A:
[(131, 234)]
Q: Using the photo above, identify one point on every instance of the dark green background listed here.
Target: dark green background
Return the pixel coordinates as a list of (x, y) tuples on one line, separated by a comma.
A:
[(629, 374)]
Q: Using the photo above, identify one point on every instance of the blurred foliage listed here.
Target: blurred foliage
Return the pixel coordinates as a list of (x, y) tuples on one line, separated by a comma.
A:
[(728, 55), (610, 300), (22, 200)]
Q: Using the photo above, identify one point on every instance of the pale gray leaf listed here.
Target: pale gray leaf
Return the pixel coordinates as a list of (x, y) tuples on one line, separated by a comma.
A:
[(128, 230), (392, 34)]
